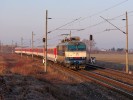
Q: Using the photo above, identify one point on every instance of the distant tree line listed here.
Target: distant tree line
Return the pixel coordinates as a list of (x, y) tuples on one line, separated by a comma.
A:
[(117, 50), (92, 44)]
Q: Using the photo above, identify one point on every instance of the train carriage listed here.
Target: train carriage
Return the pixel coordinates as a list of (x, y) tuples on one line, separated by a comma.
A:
[(52, 54), (70, 52)]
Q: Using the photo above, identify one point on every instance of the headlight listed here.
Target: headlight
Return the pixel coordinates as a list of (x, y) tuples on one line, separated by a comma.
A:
[(83, 57)]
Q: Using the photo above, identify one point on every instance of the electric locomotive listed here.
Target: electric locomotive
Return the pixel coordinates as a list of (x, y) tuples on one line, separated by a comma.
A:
[(72, 53)]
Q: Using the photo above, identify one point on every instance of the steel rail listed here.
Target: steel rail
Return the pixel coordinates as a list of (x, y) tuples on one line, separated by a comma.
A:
[(116, 72), (86, 78), (115, 76), (110, 86), (109, 81)]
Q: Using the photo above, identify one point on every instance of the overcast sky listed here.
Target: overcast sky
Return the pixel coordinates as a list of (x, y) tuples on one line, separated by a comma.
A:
[(18, 18)]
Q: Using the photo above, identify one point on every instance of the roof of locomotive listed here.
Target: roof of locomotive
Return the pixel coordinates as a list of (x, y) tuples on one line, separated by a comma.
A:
[(70, 42)]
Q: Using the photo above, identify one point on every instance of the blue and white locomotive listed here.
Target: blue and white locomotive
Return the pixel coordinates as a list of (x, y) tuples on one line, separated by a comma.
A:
[(72, 53)]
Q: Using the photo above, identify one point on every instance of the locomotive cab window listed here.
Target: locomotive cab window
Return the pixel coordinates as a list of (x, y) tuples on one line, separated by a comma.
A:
[(76, 47), (81, 47), (71, 47)]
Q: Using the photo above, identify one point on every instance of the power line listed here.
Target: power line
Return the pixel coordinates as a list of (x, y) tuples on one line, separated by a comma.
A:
[(99, 32), (63, 18), (102, 12), (113, 25), (122, 27), (95, 24), (122, 15), (54, 37), (69, 29), (89, 16), (64, 25), (105, 9), (103, 22)]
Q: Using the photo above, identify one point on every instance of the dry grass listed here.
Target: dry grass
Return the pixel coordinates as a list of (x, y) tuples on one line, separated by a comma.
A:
[(28, 67), (25, 67), (32, 68), (2, 68), (27, 81), (3, 65)]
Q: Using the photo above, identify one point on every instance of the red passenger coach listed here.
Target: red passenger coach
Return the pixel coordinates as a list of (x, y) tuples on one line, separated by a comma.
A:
[(51, 52)]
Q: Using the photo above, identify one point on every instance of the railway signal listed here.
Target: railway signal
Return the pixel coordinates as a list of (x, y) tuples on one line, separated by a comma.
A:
[(12, 46), (32, 44), (91, 37), (21, 46), (43, 40)]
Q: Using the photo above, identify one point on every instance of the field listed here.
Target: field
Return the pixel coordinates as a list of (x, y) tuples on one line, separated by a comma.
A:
[(115, 58), (115, 61)]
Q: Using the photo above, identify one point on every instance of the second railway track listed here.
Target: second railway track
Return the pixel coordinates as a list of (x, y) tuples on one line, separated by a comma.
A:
[(86, 76), (114, 74)]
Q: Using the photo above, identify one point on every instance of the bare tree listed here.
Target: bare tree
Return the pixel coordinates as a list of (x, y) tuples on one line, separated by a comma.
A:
[(89, 44)]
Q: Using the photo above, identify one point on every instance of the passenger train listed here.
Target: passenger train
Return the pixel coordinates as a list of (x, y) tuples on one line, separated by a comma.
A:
[(71, 52)]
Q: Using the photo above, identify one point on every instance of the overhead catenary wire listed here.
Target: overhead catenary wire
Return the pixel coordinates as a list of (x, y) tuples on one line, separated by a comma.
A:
[(64, 25), (105, 10), (80, 19), (119, 27), (113, 25), (54, 37), (99, 23), (122, 15), (95, 25), (63, 18)]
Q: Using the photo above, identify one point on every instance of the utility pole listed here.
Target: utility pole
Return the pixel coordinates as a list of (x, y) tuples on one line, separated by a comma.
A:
[(70, 34), (16, 44), (21, 45), (32, 44), (0, 46), (127, 70), (12, 46), (45, 69)]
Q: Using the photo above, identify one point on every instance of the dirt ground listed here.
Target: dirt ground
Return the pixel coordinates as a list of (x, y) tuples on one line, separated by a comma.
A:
[(25, 79)]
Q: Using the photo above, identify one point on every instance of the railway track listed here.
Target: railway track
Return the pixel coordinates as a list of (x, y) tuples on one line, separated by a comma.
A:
[(120, 87), (114, 74), (86, 76), (108, 80)]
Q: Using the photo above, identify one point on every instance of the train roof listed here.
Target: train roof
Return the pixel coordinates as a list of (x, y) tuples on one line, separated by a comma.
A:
[(70, 42)]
